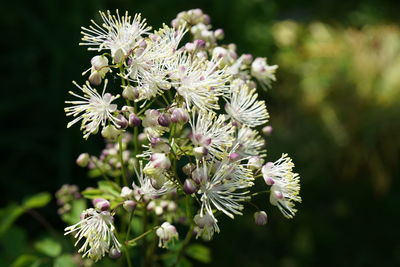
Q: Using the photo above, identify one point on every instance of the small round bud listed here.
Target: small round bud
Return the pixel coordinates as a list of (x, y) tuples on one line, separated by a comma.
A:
[(126, 192), (110, 132), (267, 130), (122, 122), (164, 119), (278, 194), (118, 55), (199, 175), (247, 59), (130, 93), (99, 62), (134, 120), (114, 253), (189, 186), (129, 205), (199, 44), (190, 47), (142, 137), (160, 160), (101, 204), (234, 156), (200, 152), (219, 34), (95, 78), (83, 160), (188, 168), (179, 115), (255, 163), (260, 218)]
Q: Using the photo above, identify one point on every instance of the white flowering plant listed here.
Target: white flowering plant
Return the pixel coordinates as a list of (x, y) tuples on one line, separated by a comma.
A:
[(181, 120)]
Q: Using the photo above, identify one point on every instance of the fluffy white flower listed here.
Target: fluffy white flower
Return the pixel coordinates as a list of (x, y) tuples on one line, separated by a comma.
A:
[(211, 132), (263, 72), (225, 187), (98, 230), (92, 108), (243, 106), (199, 81), (249, 143), (285, 185), (117, 33), (166, 233)]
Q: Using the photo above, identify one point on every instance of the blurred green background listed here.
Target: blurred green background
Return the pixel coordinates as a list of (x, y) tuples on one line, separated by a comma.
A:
[(335, 109)]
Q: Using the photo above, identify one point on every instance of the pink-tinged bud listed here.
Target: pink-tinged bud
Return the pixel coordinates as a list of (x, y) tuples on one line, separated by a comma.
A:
[(188, 168), (200, 152), (122, 122), (189, 187), (234, 156), (99, 62), (278, 194), (143, 44), (199, 44), (164, 119), (267, 130), (101, 204), (114, 253), (83, 160), (219, 34), (129, 205), (160, 160), (130, 93), (260, 218), (190, 47), (142, 137), (199, 175), (247, 59), (134, 120), (126, 192), (95, 78), (269, 181), (255, 163), (206, 19), (179, 115)]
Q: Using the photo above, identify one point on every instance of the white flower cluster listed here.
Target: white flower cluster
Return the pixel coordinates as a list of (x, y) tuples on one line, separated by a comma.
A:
[(173, 93)]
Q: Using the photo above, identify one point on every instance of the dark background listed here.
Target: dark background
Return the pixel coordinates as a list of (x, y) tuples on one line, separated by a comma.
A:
[(344, 219)]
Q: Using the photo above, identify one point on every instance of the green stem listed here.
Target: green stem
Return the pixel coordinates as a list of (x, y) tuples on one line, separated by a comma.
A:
[(184, 245), (132, 242), (122, 160)]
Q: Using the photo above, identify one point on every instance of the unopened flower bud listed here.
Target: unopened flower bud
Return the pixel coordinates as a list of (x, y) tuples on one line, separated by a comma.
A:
[(166, 232), (190, 47), (114, 253), (219, 34), (267, 130), (179, 115), (101, 204), (130, 93), (126, 192), (95, 78), (247, 59), (199, 44), (129, 205), (122, 122), (164, 119), (188, 168), (199, 175), (134, 120), (118, 55), (83, 160), (110, 132), (234, 156), (200, 152), (277, 194), (260, 218), (99, 62), (189, 186), (255, 163), (160, 160)]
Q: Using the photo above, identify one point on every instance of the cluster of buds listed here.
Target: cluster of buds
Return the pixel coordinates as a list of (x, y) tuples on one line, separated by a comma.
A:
[(192, 104), (65, 195)]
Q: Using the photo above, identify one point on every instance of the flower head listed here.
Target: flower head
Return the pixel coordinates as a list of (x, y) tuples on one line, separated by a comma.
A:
[(263, 72), (207, 225), (166, 233), (117, 33), (285, 185), (98, 230), (92, 108), (249, 143)]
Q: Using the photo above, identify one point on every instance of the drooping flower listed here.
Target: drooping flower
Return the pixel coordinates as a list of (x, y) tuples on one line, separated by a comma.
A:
[(166, 233), (225, 187), (242, 106), (263, 72), (92, 108), (118, 34), (199, 81), (206, 226), (97, 229), (211, 132), (285, 185)]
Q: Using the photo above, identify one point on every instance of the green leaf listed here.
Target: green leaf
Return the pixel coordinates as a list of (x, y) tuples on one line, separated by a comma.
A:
[(8, 215), (64, 260), (37, 201), (77, 206), (199, 252), (48, 246), (26, 261), (9, 251)]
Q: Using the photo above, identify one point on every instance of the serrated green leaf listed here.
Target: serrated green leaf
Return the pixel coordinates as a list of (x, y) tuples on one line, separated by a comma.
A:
[(199, 252), (25, 261), (37, 201), (48, 246), (64, 260)]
